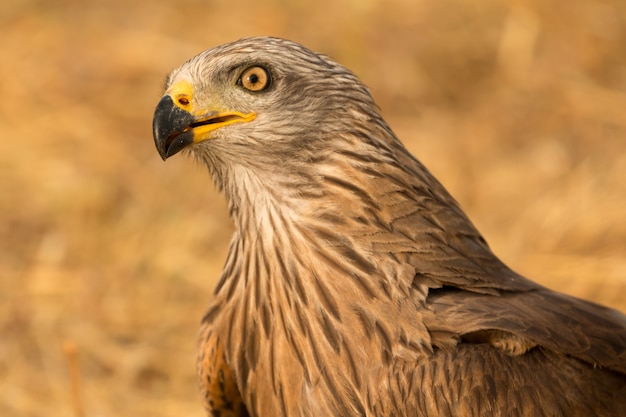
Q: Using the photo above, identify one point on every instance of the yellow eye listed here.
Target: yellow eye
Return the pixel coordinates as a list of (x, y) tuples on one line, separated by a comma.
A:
[(254, 79)]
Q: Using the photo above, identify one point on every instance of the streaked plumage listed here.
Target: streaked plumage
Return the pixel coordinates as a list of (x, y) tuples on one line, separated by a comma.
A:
[(355, 285)]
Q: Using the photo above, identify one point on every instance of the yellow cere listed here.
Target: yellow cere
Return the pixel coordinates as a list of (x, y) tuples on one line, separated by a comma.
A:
[(182, 94)]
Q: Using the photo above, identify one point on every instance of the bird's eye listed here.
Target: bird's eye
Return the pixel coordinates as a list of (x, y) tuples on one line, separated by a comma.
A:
[(255, 79)]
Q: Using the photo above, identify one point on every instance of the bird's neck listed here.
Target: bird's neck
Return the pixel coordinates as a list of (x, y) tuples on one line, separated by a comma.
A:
[(309, 249)]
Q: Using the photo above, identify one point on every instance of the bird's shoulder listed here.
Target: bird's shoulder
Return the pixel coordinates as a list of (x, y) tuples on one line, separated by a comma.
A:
[(519, 321)]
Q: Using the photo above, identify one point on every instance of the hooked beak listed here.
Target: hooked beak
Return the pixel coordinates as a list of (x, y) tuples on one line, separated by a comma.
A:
[(176, 126)]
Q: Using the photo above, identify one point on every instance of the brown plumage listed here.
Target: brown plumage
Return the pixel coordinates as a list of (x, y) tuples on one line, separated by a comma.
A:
[(355, 285)]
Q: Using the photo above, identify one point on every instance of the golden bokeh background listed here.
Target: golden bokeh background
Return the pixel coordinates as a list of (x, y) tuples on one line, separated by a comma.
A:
[(108, 255)]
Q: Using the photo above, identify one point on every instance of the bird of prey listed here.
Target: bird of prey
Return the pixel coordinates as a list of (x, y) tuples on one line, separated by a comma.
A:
[(354, 284)]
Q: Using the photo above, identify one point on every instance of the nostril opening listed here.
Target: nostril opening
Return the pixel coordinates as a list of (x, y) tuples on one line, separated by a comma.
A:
[(183, 101)]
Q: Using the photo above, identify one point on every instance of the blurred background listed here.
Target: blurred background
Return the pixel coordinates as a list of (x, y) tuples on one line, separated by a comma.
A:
[(108, 256)]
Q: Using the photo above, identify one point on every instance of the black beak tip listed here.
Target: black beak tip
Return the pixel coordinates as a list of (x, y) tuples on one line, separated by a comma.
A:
[(176, 144), (169, 128)]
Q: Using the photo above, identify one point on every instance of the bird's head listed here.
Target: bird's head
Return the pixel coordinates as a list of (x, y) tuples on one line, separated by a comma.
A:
[(275, 122), (261, 97)]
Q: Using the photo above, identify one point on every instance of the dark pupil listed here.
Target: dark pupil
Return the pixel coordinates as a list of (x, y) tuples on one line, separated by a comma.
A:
[(253, 78)]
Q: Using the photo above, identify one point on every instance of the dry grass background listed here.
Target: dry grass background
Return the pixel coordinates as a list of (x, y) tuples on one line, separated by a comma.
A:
[(518, 107)]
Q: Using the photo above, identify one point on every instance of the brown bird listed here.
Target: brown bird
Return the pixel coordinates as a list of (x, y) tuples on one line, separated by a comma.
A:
[(355, 285)]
